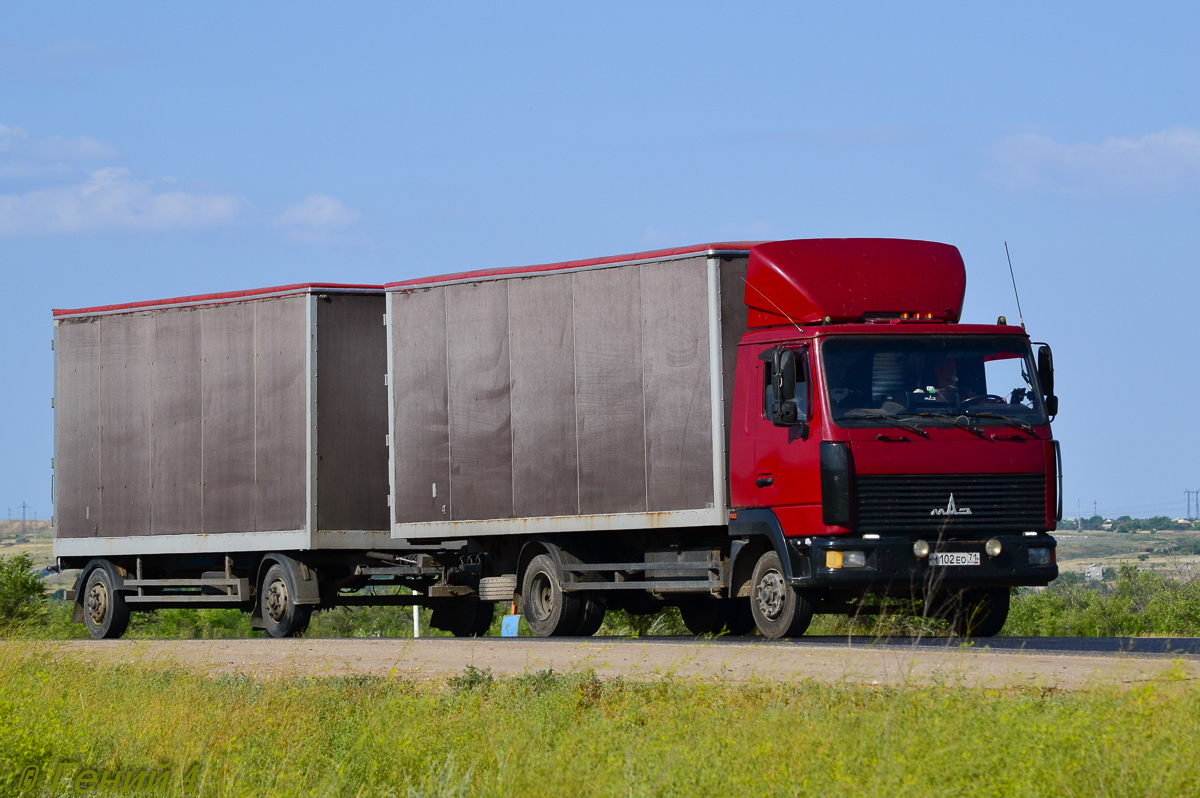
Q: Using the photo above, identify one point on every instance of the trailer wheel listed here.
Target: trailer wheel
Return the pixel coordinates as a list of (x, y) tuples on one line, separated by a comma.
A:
[(282, 617), (592, 616), (463, 617), (104, 609), (779, 610), (982, 613), (548, 610)]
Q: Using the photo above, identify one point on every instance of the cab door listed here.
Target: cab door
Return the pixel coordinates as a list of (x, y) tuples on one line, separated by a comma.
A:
[(787, 458)]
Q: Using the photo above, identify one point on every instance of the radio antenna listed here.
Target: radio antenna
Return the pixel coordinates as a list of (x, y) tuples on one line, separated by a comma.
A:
[(1014, 282)]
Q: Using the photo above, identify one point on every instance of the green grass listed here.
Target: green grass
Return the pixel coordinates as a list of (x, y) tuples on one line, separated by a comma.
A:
[(550, 734)]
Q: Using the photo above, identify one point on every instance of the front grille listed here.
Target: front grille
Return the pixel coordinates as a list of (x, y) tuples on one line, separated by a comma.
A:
[(920, 503)]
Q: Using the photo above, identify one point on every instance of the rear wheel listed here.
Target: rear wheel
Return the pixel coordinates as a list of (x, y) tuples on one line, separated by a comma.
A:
[(592, 616), (779, 610), (282, 616), (464, 617), (982, 613), (104, 609), (548, 610), (703, 616)]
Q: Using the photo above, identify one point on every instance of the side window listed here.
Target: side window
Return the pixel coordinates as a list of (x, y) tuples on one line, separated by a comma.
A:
[(768, 390)]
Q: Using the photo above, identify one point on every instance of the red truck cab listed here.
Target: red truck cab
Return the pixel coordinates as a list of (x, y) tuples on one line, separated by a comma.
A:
[(887, 448)]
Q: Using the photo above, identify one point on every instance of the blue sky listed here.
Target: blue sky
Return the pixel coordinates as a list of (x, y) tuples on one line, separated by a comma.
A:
[(153, 150)]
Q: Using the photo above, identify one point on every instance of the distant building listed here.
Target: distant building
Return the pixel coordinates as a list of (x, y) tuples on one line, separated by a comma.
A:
[(1094, 573)]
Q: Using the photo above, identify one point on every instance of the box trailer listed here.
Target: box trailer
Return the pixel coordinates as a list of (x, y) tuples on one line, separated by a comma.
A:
[(753, 432)]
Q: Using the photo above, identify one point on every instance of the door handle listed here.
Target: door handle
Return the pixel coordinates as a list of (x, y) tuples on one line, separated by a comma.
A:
[(763, 482)]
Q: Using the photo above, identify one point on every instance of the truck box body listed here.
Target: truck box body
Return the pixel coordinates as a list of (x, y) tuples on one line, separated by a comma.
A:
[(227, 422), (582, 396), (752, 432)]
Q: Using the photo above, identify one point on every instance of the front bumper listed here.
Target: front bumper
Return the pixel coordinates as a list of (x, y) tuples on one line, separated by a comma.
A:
[(893, 568)]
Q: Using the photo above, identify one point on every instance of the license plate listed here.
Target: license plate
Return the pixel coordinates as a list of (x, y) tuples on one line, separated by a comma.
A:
[(954, 558)]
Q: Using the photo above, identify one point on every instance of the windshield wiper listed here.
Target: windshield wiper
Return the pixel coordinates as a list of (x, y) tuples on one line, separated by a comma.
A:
[(1012, 422), (959, 421), (890, 418)]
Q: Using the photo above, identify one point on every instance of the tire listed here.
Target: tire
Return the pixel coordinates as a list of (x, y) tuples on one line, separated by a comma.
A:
[(104, 609), (703, 616), (464, 617), (982, 613), (281, 616), (548, 611), (592, 616), (739, 619), (779, 610)]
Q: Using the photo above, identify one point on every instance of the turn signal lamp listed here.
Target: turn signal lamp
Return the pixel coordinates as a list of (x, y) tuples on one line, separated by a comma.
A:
[(921, 548), (993, 548), (833, 559)]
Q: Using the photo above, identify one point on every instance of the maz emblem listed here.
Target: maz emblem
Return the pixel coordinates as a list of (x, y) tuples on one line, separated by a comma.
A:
[(950, 509)]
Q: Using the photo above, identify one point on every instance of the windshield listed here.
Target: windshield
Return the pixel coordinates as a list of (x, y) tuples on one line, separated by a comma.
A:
[(875, 376)]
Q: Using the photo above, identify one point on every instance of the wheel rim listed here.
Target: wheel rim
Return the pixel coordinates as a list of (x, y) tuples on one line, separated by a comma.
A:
[(277, 600), (542, 600), (97, 603), (770, 595)]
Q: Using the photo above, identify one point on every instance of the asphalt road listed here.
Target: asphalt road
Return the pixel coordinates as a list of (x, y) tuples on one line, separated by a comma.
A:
[(999, 663), (1140, 646)]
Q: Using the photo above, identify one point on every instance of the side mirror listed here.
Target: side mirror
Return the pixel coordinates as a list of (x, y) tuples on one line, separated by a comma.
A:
[(785, 375), (1045, 367)]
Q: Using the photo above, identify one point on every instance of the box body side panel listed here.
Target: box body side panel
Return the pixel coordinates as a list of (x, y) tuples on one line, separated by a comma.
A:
[(608, 368), (280, 444), (177, 462), (126, 399), (77, 405), (734, 323), (602, 380), (227, 404), (479, 406), (677, 384), (542, 363), (352, 464), (421, 438)]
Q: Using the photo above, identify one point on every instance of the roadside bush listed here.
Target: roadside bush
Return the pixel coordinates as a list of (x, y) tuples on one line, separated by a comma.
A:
[(22, 594), (1139, 603)]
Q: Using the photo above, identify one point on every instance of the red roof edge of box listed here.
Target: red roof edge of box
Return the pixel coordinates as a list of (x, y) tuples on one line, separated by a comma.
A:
[(569, 265), (227, 296)]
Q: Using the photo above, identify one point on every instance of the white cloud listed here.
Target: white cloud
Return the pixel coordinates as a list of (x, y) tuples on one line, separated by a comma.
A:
[(57, 157), (317, 213), (1168, 161), (110, 199)]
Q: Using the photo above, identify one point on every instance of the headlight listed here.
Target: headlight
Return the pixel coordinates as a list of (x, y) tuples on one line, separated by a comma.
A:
[(993, 548), (854, 559), (921, 548)]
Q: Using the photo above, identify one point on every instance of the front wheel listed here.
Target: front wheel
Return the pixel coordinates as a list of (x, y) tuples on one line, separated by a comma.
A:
[(281, 615), (982, 613), (104, 609), (779, 610)]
